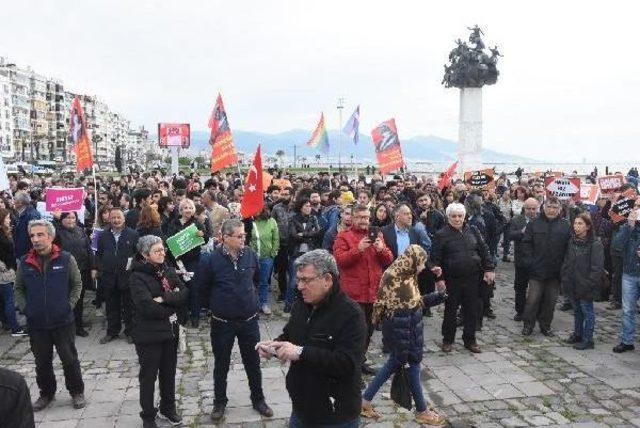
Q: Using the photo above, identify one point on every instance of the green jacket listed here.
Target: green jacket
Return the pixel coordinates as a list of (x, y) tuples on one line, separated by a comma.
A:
[(269, 238)]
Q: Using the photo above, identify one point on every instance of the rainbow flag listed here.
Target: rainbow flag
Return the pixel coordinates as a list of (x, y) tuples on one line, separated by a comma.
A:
[(320, 139)]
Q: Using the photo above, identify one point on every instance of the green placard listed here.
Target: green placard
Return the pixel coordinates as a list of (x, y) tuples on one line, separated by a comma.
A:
[(185, 240)]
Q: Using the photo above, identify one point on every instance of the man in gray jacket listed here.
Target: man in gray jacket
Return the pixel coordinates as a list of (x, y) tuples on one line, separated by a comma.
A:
[(282, 213)]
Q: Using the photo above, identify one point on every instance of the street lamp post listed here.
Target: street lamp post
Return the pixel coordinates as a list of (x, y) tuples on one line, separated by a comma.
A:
[(340, 106)]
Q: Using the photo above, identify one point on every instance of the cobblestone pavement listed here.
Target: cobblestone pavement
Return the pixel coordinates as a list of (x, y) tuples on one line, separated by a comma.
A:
[(516, 381)]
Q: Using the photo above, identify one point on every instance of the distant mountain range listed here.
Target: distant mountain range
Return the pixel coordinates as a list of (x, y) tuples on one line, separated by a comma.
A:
[(420, 148)]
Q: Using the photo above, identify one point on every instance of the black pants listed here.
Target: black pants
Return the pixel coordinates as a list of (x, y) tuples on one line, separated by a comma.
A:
[(367, 308), (223, 335), (484, 301), (520, 284), (78, 310), (616, 276), (280, 267), (541, 302), (42, 343), (462, 291), (119, 307), (157, 360)]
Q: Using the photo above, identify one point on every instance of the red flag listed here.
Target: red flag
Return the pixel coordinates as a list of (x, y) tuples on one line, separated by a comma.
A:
[(387, 145), (223, 151), (253, 200), (80, 136), (445, 180)]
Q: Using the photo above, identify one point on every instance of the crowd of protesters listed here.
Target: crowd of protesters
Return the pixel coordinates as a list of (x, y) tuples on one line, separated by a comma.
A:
[(349, 254)]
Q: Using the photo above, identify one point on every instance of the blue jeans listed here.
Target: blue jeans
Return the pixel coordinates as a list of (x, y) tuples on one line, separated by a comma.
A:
[(9, 309), (584, 319), (266, 267), (385, 373), (630, 294), (291, 284), (296, 422)]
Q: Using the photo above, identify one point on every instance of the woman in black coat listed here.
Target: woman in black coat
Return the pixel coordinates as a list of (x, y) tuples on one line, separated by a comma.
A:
[(190, 259), (581, 275), (160, 299), (304, 234), (71, 237)]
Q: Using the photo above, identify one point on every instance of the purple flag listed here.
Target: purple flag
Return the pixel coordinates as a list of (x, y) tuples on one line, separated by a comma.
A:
[(352, 127)]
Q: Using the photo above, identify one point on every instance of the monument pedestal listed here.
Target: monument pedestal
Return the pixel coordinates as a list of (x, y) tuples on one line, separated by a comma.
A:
[(470, 131)]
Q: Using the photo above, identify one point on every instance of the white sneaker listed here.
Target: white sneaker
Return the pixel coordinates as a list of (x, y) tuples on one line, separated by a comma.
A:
[(266, 310)]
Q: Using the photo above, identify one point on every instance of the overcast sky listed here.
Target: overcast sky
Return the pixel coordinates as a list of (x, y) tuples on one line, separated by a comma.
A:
[(569, 85)]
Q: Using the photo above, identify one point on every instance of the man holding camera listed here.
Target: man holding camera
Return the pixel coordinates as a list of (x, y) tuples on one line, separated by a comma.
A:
[(362, 256)]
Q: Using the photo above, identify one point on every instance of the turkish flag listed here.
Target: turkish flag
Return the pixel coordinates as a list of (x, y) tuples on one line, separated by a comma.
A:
[(445, 180), (253, 199)]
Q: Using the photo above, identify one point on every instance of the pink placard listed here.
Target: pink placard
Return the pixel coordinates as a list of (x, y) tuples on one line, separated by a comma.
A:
[(64, 199)]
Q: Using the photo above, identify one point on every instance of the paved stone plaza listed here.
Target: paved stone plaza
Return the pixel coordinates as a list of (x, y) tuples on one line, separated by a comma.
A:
[(516, 381)]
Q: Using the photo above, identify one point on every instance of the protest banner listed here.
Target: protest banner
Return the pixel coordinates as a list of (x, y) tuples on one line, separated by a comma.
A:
[(563, 188), (41, 207), (184, 241), (481, 179), (610, 183), (64, 199), (174, 135), (387, 145), (622, 207), (589, 193)]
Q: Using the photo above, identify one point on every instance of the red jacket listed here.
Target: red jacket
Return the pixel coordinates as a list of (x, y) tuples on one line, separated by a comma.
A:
[(360, 272)]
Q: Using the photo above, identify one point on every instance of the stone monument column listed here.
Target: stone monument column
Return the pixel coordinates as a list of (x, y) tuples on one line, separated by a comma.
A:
[(470, 129), (471, 67)]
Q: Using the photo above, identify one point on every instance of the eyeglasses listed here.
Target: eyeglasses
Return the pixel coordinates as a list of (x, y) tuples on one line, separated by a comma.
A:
[(241, 236), (159, 251), (306, 281)]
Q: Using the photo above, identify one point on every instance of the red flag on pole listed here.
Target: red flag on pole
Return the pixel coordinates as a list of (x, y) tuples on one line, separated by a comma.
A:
[(223, 151), (80, 136), (445, 180), (253, 201)]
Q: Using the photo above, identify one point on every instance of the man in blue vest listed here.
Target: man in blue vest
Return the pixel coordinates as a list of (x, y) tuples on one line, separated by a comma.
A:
[(47, 288)]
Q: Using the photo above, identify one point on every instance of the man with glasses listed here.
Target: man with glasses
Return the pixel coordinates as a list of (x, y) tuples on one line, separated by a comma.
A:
[(361, 257), (544, 245), (324, 341), (230, 277)]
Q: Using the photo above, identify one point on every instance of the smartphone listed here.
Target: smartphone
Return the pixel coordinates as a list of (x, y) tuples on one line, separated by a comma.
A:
[(373, 233)]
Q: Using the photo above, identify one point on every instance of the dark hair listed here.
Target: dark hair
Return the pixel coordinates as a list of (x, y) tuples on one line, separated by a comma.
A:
[(141, 194), (552, 200), (300, 202), (181, 192), (163, 202), (66, 214), (272, 188)]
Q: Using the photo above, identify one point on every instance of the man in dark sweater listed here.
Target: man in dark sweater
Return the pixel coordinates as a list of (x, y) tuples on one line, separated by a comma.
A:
[(230, 277)]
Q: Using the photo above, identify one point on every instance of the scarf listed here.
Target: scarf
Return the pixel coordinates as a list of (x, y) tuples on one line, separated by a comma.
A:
[(399, 284)]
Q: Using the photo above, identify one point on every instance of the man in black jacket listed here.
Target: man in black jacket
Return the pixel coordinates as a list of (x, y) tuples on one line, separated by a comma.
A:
[(116, 249), (517, 227), (461, 260), (324, 341), (142, 198), (228, 282), (544, 245)]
